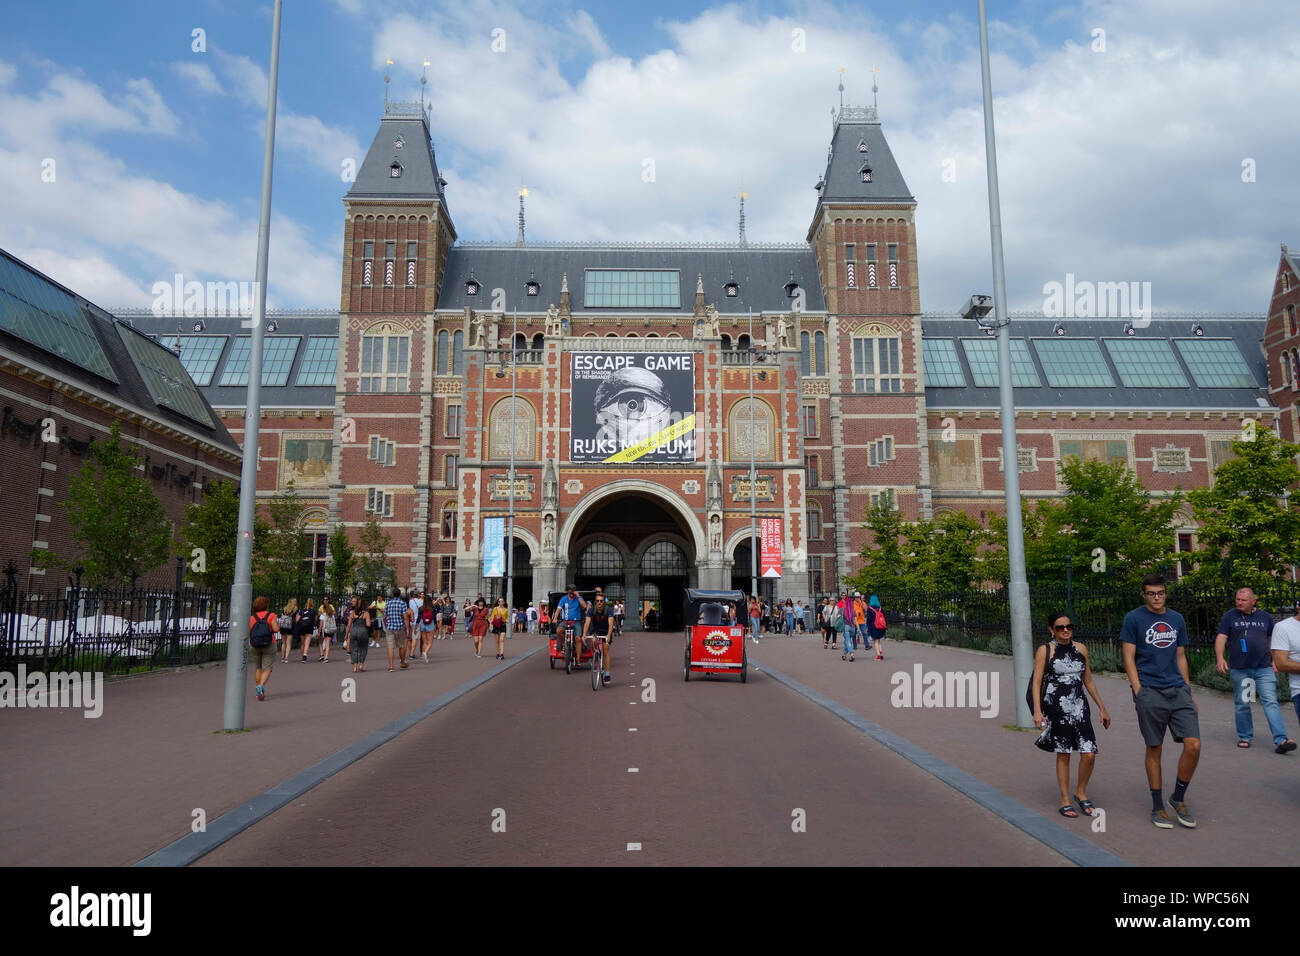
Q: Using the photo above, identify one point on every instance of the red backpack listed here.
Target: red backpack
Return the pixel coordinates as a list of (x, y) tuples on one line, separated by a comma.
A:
[(426, 614), (880, 619)]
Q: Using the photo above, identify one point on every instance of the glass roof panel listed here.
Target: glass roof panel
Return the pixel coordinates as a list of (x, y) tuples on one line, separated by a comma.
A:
[(1216, 363), (982, 354), (1146, 363), (941, 365), (168, 382), (49, 318), (1073, 363)]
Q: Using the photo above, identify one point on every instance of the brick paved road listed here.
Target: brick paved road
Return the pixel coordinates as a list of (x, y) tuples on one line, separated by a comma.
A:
[(721, 767)]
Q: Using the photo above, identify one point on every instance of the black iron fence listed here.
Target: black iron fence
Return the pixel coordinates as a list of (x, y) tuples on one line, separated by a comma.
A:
[(116, 630)]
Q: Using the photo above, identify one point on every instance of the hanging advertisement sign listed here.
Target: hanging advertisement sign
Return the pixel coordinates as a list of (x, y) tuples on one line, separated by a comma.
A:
[(494, 547), (632, 406), (769, 532)]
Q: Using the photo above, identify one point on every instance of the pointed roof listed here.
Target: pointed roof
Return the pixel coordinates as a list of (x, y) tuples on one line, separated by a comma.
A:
[(418, 178), (854, 129)]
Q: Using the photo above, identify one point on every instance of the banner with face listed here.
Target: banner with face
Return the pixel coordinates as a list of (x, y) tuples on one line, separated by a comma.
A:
[(627, 407)]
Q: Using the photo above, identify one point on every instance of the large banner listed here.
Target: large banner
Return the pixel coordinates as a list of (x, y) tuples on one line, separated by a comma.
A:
[(637, 406), (494, 547), (769, 536)]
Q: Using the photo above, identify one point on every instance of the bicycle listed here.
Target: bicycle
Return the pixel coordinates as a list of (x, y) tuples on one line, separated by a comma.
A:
[(598, 662)]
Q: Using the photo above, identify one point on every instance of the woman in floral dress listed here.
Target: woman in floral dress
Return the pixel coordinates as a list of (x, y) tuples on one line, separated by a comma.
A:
[(1061, 675)]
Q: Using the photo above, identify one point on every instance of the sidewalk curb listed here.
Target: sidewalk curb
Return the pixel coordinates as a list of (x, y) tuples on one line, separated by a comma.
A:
[(1074, 848), (193, 846)]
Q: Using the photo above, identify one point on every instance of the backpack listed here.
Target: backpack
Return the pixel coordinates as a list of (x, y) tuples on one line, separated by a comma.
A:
[(880, 620), (426, 614), (329, 624), (259, 635), (1029, 688)]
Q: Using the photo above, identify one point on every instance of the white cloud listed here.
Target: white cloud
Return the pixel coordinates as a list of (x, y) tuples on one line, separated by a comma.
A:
[(7, 73), (200, 75)]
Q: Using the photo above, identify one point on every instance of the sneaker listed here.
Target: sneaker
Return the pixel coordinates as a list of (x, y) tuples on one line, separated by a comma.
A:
[(425, 657), (1182, 813), (261, 692), (1285, 747), (1161, 819), (605, 677)]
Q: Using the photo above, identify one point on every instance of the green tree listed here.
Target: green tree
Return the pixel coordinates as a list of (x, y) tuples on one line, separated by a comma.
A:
[(944, 554), (118, 524), (1250, 527), (375, 567), (883, 571), (343, 561), (286, 543), (213, 527)]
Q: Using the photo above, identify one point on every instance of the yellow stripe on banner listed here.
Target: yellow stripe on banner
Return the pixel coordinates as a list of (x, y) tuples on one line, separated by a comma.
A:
[(647, 445)]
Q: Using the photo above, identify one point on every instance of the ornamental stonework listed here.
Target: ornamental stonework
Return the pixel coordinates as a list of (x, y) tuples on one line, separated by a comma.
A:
[(1170, 459)]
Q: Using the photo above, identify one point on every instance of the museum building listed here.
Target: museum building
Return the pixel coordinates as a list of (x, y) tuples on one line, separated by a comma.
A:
[(634, 388)]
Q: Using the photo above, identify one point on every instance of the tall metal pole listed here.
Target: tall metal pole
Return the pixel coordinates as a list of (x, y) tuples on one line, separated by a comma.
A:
[(753, 493), (241, 594), (1018, 599), (510, 535)]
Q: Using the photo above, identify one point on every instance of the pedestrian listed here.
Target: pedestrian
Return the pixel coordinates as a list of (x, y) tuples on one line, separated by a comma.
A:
[(478, 624), (397, 617), (263, 632), (328, 627), (1248, 634), (789, 618), (357, 633), (1154, 641), (1061, 674), (544, 618), (469, 613), (308, 621), (376, 619), (532, 618), (428, 626), (413, 605), (1286, 654), (755, 618), (448, 617), (499, 618), (799, 612), (828, 623), (848, 608), (876, 626), (291, 615)]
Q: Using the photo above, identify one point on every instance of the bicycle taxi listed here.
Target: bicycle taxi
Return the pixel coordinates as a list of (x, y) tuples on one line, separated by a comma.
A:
[(564, 635), (714, 645)]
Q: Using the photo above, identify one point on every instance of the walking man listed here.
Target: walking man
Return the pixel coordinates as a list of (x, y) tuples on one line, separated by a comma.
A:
[(1154, 639), (1286, 653), (1248, 632), (397, 616)]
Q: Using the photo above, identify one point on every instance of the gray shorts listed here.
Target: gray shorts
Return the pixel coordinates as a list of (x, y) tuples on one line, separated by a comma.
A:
[(1159, 708), (262, 658)]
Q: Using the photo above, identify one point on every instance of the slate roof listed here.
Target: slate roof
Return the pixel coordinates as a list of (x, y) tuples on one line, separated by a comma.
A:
[(760, 270), (130, 389), (300, 324), (1246, 331), (419, 177), (842, 181)]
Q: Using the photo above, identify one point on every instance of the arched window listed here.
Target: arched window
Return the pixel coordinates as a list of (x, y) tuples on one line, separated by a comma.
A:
[(450, 521), (457, 352), (521, 342), (819, 353), (538, 342), (805, 346), (1290, 320), (385, 358), (877, 363), (742, 342), (444, 354), (600, 558), (739, 430), (1286, 368), (663, 558), (726, 342), (814, 523), (523, 435)]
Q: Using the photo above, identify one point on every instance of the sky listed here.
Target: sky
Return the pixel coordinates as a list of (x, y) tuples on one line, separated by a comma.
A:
[(1137, 140)]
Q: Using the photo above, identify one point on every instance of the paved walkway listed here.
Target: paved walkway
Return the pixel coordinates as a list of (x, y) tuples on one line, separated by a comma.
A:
[(1239, 797)]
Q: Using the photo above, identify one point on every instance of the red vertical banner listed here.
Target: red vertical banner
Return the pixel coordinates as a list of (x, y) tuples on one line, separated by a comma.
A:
[(770, 544)]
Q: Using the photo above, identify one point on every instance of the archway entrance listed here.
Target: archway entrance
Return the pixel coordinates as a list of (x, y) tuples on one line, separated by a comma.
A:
[(523, 568), (741, 572), (636, 547)]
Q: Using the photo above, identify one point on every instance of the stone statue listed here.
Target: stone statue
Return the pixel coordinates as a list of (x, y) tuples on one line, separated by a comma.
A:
[(554, 324), (548, 533), (712, 325), (782, 333), (715, 533), (478, 326)]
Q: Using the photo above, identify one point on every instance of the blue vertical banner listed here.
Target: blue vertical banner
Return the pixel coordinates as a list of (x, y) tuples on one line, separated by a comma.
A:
[(494, 547)]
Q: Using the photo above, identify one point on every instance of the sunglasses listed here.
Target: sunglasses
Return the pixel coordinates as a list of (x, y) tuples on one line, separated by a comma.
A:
[(1063, 627)]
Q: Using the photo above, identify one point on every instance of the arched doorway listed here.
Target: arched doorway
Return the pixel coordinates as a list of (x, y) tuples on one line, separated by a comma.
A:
[(523, 578), (741, 571), (634, 541)]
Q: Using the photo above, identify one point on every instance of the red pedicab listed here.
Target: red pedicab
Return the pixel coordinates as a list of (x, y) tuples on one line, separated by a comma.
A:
[(714, 644), (566, 636)]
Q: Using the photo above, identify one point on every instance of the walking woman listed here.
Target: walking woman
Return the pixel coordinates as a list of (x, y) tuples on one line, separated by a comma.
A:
[(290, 615), (307, 624), (1061, 674), (876, 627), (755, 618), (789, 618), (478, 625), (500, 616), (357, 634), (328, 627), (448, 618)]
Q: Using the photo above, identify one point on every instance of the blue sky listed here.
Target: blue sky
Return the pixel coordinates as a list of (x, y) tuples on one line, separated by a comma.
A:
[(1117, 164)]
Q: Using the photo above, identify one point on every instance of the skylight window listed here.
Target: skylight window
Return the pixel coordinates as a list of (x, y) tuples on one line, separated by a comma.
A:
[(941, 366), (320, 362), (199, 354), (277, 358), (982, 356), (1216, 363), (1146, 363), (633, 288), (168, 383), (1073, 363), (49, 318)]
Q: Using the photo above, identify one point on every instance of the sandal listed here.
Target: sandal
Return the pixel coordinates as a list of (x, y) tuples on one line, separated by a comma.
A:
[(1086, 806), (850, 657), (843, 657), (1243, 744), (1068, 811)]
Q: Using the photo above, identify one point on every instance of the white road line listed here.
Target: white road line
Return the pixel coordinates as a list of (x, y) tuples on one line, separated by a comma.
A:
[(634, 846), (631, 730), (633, 770)]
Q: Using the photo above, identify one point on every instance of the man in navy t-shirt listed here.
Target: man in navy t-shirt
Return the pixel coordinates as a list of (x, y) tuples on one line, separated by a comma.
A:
[(1247, 633), (1154, 639)]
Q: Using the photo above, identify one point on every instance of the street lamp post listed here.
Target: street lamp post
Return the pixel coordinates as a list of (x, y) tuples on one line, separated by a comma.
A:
[(1018, 599), (753, 479), (513, 354)]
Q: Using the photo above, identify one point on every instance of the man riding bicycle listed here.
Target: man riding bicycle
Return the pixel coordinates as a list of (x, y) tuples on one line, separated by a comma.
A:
[(570, 609), (597, 625)]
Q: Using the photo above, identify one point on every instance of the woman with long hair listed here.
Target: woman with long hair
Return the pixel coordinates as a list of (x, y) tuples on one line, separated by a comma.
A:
[(478, 626), (328, 627), (358, 633), (291, 615), (1061, 675), (307, 624), (500, 617)]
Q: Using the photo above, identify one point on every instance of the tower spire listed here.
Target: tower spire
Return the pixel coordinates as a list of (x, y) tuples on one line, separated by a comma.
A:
[(744, 243), (519, 237), (841, 87), (424, 78), (874, 90), (388, 71)]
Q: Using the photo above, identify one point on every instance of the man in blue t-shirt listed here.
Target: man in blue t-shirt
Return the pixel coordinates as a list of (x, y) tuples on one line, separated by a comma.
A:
[(1247, 632), (570, 609), (1154, 639)]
